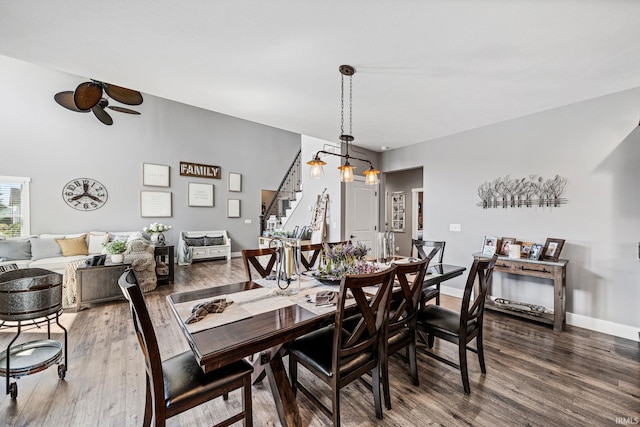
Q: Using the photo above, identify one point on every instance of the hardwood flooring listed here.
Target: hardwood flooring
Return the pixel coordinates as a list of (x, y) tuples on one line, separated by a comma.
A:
[(535, 377)]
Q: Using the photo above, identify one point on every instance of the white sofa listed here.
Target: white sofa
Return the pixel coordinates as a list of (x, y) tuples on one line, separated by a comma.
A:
[(54, 251), (203, 245)]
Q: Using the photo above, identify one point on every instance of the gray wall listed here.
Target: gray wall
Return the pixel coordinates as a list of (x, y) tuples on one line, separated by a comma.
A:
[(596, 145), (52, 145)]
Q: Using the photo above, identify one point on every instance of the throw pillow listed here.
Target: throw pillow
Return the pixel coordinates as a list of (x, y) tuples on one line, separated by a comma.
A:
[(194, 241), (77, 246), (44, 248), (213, 241), (8, 267), (15, 249), (96, 242)]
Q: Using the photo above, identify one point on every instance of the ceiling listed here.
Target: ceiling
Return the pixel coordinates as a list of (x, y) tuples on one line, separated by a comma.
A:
[(424, 69)]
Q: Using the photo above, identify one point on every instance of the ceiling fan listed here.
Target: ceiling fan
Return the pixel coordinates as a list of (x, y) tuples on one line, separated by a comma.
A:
[(88, 96)]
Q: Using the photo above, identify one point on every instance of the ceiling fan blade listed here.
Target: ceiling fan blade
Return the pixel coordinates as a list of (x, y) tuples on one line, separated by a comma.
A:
[(102, 115), (66, 100), (87, 95), (123, 110), (124, 95)]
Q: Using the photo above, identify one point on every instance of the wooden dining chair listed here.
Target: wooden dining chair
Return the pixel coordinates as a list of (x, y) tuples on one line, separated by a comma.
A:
[(401, 332), (251, 258), (309, 255), (179, 383), (421, 247), (338, 354), (463, 327), (309, 261)]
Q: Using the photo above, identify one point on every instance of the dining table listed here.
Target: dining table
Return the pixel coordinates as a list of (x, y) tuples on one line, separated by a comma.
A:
[(259, 318)]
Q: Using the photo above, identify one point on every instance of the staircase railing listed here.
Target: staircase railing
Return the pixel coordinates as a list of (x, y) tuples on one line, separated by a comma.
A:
[(291, 183)]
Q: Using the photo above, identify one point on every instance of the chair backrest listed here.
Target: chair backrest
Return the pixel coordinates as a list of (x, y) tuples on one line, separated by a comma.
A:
[(146, 337), (310, 260), (420, 246), (473, 311), (250, 258), (374, 312), (404, 305)]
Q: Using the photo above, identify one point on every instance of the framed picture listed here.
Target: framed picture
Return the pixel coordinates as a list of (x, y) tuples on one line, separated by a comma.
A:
[(200, 194), (155, 175), (235, 181), (155, 204), (552, 248), (535, 251), (397, 201), (504, 245), (398, 222), (489, 245), (525, 248), (233, 208)]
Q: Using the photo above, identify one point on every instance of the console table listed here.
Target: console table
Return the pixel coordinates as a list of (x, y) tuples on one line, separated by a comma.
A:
[(98, 283), (556, 271)]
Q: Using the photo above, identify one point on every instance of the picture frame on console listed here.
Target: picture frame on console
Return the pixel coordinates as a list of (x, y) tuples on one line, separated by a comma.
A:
[(552, 248), (489, 245), (535, 251), (504, 245)]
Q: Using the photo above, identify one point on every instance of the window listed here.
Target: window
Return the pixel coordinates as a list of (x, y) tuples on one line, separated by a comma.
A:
[(14, 206)]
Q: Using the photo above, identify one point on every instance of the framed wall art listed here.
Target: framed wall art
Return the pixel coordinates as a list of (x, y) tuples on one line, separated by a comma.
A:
[(155, 175), (233, 208), (552, 248), (200, 195), (397, 211), (155, 204), (235, 182)]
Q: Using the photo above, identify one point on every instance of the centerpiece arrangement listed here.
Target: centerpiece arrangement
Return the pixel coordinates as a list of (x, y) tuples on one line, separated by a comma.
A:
[(341, 259), (155, 231)]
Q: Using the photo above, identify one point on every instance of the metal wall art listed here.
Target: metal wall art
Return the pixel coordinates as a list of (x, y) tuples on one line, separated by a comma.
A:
[(523, 192)]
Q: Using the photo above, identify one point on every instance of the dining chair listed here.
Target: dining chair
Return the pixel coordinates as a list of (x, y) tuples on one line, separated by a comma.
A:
[(401, 332), (251, 258), (310, 260), (432, 291), (460, 327), (312, 252), (179, 383), (339, 354)]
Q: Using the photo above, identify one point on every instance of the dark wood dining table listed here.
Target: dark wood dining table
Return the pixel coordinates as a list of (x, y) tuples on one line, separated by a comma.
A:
[(266, 333)]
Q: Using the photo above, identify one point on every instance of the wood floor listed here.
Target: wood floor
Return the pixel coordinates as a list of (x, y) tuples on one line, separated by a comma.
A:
[(535, 377)]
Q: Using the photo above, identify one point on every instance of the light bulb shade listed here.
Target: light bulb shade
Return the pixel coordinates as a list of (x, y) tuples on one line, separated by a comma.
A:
[(316, 167), (346, 172), (371, 176)]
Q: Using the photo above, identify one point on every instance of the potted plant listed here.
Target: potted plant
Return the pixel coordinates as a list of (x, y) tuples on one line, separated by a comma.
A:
[(116, 249)]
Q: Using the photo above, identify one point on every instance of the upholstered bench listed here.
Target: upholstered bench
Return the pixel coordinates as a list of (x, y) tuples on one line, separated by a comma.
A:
[(203, 245)]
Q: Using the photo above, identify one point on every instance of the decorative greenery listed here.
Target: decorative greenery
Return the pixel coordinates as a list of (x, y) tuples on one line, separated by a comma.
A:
[(156, 228), (342, 259), (116, 247)]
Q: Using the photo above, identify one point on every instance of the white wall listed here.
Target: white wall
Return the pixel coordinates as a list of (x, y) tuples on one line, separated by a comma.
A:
[(52, 145), (594, 144)]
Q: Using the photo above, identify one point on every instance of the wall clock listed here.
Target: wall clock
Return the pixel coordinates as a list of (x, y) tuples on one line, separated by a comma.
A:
[(85, 194)]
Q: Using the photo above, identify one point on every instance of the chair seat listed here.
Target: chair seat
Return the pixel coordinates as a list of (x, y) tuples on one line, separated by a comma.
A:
[(430, 293), (184, 378), (316, 350), (442, 319)]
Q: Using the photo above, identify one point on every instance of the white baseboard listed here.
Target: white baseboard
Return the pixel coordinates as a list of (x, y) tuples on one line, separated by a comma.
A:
[(597, 325), (236, 254)]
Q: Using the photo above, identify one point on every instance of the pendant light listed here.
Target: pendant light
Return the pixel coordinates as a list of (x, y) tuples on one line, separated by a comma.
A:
[(346, 169)]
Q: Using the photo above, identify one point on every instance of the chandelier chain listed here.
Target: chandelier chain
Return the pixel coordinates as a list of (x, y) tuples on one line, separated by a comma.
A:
[(350, 105), (342, 105)]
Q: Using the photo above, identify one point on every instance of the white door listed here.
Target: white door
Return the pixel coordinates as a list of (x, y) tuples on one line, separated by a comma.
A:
[(361, 213)]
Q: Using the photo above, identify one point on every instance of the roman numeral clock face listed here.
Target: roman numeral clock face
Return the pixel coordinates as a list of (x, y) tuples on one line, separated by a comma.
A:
[(85, 194)]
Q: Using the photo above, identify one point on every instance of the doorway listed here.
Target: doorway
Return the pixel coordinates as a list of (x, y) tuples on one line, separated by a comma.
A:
[(361, 212)]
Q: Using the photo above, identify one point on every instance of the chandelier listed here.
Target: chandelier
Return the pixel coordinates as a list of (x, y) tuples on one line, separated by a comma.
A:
[(346, 169)]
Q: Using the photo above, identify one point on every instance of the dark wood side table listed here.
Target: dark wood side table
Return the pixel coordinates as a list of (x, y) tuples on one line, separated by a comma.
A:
[(98, 283), (165, 255)]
